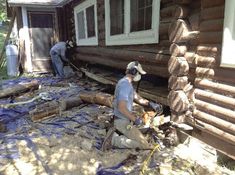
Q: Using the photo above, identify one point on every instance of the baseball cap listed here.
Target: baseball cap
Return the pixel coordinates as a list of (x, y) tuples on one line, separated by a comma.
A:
[(137, 65)]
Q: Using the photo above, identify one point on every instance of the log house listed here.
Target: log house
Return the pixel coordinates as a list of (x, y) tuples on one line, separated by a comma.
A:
[(187, 49)]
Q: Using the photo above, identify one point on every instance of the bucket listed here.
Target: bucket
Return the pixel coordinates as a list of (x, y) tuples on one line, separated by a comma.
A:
[(12, 60)]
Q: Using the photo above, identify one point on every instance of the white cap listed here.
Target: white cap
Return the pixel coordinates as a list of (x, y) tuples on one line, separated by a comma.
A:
[(137, 65)]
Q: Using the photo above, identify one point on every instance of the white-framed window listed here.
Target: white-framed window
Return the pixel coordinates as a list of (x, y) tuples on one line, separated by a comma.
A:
[(85, 15), (228, 47), (131, 21)]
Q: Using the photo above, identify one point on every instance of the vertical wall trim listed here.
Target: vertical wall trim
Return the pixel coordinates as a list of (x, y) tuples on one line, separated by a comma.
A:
[(26, 38)]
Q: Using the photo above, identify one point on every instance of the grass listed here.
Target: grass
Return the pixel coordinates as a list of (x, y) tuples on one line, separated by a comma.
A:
[(3, 67)]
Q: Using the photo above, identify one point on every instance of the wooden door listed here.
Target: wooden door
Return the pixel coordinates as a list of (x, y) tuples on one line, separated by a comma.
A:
[(42, 31)]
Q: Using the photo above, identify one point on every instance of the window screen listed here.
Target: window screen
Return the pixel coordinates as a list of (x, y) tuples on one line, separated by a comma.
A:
[(116, 17), (81, 24), (90, 21)]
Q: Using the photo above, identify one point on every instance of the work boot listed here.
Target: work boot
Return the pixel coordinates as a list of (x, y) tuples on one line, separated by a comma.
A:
[(107, 145)]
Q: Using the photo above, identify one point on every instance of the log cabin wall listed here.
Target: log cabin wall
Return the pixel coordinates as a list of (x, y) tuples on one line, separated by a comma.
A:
[(153, 57), (188, 55), (196, 53)]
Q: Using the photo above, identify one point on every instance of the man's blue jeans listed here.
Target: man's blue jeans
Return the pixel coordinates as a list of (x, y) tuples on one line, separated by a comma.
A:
[(57, 64)]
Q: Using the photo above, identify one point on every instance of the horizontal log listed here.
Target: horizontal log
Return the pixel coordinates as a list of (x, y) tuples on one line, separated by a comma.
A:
[(209, 50), (196, 60), (211, 25), (215, 110), (156, 98), (221, 100), (163, 28), (19, 88), (166, 11), (212, 130), (150, 69), (166, 1), (210, 37), (178, 50), (182, 1), (178, 66), (181, 12), (212, 13), (127, 55), (209, 3), (215, 121), (204, 72), (214, 86)]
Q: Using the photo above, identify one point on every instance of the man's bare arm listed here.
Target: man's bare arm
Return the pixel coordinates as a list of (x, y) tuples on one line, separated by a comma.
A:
[(123, 109)]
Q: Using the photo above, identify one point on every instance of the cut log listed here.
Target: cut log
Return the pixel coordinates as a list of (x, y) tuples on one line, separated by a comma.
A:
[(212, 13), (204, 72), (214, 25), (45, 111), (195, 60), (97, 98), (177, 83), (179, 32), (221, 100), (181, 12), (177, 50), (19, 88), (178, 66), (209, 3), (69, 103), (212, 130), (215, 110), (215, 121), (216, 87), (178, 101)]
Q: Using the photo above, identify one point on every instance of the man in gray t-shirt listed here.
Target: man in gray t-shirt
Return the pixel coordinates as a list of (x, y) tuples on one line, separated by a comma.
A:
[(58, 55), (124, 119)]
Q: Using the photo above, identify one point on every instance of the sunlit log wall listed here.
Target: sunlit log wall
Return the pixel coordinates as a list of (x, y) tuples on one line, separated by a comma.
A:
[(188, 54), (196, 42)]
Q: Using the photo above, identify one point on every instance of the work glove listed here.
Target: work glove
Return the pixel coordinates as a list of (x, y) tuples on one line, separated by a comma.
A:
[(156, 107), (138, 121)]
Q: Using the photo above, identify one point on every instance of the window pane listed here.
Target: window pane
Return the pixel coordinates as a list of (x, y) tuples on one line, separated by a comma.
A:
[(90, 21), (141, 15), (116, 17), (81, 29)]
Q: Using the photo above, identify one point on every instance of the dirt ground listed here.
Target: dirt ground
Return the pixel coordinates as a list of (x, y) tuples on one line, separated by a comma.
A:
[(62, 146)]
